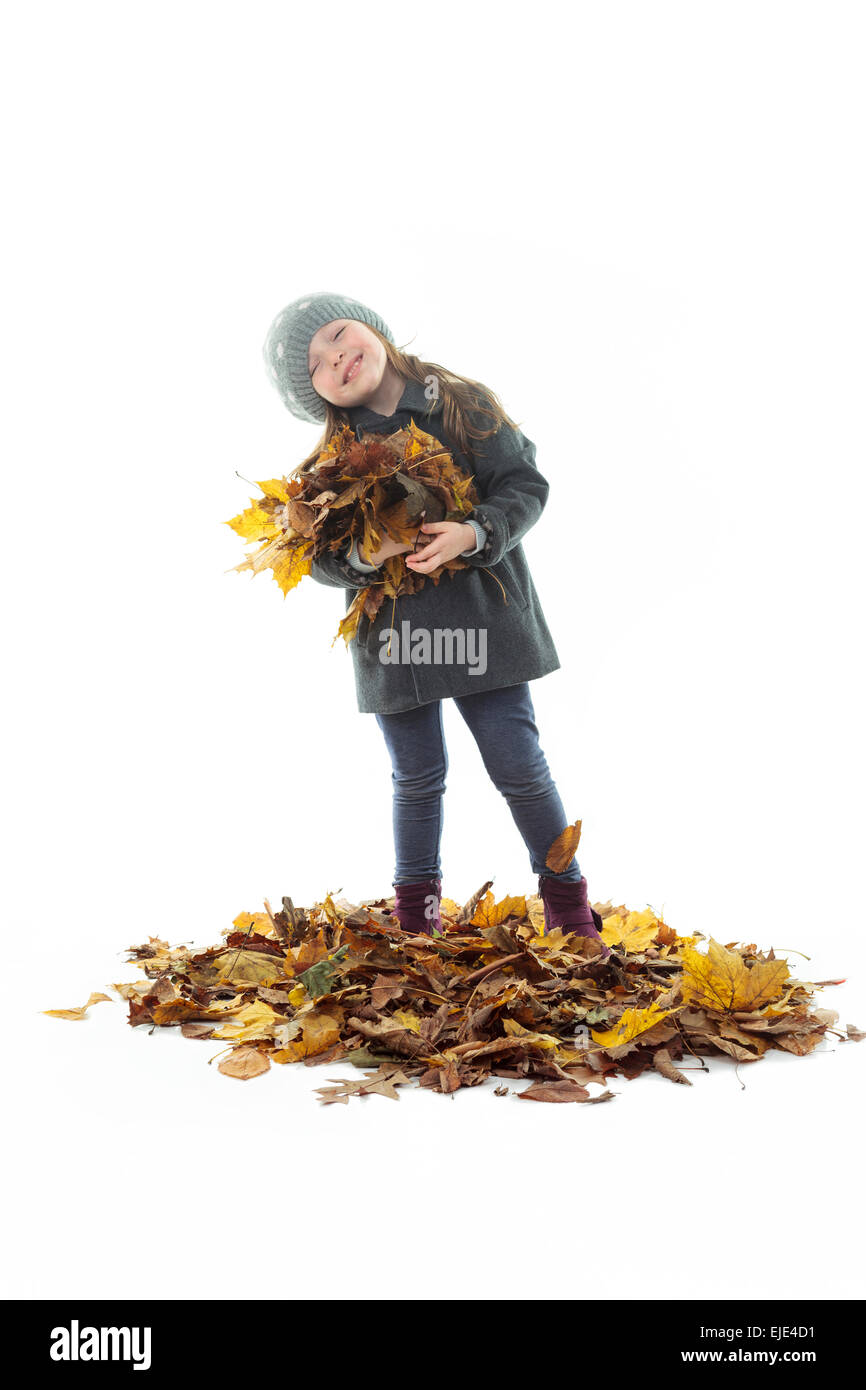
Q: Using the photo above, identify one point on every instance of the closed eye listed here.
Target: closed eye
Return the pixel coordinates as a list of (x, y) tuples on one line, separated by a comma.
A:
[(334, 339)]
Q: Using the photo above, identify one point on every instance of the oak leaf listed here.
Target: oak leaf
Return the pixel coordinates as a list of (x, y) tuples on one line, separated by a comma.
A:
[(376, 1083)]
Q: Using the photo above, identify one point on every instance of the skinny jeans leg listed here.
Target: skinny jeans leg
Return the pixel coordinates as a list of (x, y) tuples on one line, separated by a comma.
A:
[(419, 760), (503, 725)]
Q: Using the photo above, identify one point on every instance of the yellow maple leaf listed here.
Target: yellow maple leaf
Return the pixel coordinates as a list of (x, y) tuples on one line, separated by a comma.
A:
[(275, 487), (259, 921), (290, 565), (254, 524), (634, 932), (490, 913), (721, 980), (630, 1025)]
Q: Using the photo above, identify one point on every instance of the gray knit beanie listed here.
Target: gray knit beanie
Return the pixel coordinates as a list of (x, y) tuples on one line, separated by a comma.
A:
[(287, 347)]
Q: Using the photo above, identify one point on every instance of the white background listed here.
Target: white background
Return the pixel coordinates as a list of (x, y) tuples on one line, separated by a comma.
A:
[(643, 226)]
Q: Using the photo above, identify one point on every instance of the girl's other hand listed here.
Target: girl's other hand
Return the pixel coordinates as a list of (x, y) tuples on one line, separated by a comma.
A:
[(449, 539), (387, 548)]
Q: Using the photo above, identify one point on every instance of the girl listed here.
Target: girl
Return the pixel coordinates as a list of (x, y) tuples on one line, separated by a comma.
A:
[(334, 360)]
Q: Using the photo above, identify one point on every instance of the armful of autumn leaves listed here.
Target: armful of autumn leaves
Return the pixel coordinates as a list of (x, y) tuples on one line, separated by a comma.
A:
[(357, 489), (492, 996)]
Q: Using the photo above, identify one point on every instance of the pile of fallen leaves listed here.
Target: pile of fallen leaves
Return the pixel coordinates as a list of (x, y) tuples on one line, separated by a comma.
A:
[(357, 489), (491, 996)]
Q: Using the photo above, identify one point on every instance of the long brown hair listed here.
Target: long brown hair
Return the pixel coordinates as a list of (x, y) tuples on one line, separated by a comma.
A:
[(459, 396)]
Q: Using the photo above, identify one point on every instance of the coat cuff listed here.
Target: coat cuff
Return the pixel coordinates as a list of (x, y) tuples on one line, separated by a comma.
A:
[(480, 538), (356, 562), (333, 568), (493, 533)]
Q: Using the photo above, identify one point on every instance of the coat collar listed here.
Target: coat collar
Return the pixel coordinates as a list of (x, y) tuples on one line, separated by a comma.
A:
[(413, 401)]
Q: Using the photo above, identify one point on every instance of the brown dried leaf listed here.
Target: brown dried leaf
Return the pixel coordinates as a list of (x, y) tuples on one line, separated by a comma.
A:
[(75, 1015), (663, 1063), (564, 847), (244, 1063)]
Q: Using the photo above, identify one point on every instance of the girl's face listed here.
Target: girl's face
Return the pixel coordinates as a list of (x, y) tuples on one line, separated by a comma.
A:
[(346, 362)]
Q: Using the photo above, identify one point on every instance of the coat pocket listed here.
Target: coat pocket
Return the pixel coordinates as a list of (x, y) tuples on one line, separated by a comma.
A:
[(367, 626), (510, 583), (362, 631)]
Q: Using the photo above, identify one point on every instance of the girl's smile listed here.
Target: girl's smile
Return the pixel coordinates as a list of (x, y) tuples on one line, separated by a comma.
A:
[(353, 369)]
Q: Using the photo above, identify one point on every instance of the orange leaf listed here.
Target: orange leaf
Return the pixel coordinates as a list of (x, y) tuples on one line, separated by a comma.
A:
[(562, 851)]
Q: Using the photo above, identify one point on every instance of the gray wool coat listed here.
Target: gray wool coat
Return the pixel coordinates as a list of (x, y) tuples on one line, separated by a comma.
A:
[(462, 635)]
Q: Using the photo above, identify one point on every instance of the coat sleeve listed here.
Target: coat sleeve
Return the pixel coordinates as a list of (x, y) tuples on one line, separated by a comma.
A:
[(513, 492), (334, 569)]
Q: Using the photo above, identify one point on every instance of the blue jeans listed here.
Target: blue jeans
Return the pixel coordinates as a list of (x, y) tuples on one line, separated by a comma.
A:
[(503, 725)]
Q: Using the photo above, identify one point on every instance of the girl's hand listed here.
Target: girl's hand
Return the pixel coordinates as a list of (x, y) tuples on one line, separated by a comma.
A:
[(451, 538)]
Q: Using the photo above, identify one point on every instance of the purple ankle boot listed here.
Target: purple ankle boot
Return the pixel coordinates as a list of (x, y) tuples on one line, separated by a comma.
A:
[(566, 906), (416, 907)]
